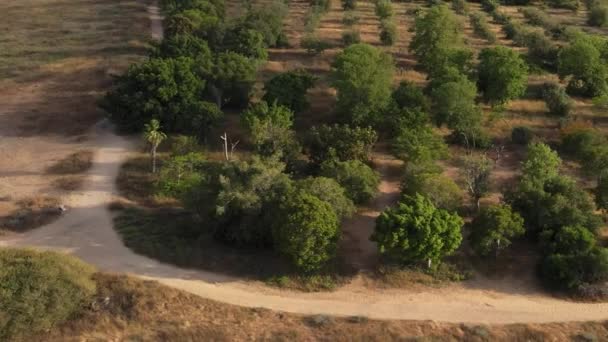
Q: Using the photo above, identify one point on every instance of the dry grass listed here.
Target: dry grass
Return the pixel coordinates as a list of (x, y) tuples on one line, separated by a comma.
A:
[(137, 310), (75, 163), (40, 32), (31, 213)]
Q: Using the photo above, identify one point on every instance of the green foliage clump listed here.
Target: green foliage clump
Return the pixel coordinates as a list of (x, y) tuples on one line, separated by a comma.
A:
[(428, 181), (460, 6), (268, 20), (584, 65), (184, 45), (362, 75), (388, 32), (503, 74), (244, 41), (306, 230), (270, 130), (384, 9), (414, 139), (494, 228), (39, 290), (328, 190), (556, 99), (522, 135), (359, 180), (232, 78), (289, 89), (590, 147), (601, 190), (350, 18), (342, 142), (179, 174), (598, 16), (482, 28), (349, 5), (351, 37), (565, 4), (416, 231), (409, 96), (314, 45), (454, 104), (163, 89)]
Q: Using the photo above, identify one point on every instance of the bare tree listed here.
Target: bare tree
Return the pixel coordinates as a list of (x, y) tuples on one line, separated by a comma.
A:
[(228, 155), (476, 175)]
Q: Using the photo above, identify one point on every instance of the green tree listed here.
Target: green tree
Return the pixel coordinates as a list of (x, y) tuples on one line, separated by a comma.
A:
[(541, 164), (582, 63), (246, 42), (437, 33), (601, 190), (388, 32), (475, 173), (408, 95), (428, 181), (416, 231), (568, 240), (307, 231), (570, 271), (164, 89), (232, 78), (362, 75), (358, 179), (289, 89), (184, 45), (556, 99), (154, 137), (328, 190), (340, 141), (179, 174), (268, 20), (384, 9), (270, 129), (503, 75), (414, 139), (454, 105), (192, 22), (494, 228)]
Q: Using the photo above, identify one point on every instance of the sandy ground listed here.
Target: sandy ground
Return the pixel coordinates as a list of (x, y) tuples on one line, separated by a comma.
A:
[(86, 231)]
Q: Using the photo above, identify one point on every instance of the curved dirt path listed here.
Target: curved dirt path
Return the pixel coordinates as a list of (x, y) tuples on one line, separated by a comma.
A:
[(86, 231)]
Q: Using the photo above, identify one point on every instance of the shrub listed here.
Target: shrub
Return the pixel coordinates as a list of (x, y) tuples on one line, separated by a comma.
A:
[(556, 99), (314, 45), (39, 290), (408, 95), (583, 62), (328, 190), (350, 18), (541, 50), (490, 5), (414, 139), (494, 228), (522, 135), (460, 6), (572, 270), (384, 9), (598, 16), (439, 189), (388, 32), (565, 4), (349, 5), (306, 230), (268, 20), (289, 89), (351, 37), (481, 27), (416, 231), (358, 179), (341, 142), (503, 74)]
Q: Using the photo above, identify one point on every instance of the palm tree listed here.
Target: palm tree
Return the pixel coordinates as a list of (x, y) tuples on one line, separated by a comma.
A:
[(154, 137)]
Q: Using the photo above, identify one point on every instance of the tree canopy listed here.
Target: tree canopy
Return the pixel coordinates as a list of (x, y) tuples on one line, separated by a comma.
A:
[(494, 228), (503, 74), (289, 89)]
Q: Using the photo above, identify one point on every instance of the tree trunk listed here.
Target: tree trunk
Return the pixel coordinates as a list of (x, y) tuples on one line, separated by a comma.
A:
[(429, 263), (478, 204), (153, 159)]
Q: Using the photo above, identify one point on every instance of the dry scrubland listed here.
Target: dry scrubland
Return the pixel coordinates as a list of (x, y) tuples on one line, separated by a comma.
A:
[(56, 59)]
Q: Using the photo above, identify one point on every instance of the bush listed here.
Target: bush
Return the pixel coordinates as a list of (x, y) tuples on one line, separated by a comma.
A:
[(565, 4), (460, 6), (598, 16), (522, 135), (416, 231), (494, 228), (349, 5), (556, 99), (358, 179), (289, 89), (439, 189), (328, 190), (503, 75), (481, 27), (314, 45), (388, 32), (541, 50), (384, 9), (351, 37), (490, 5), (570, 271), (408, 95), (306, 230), (39, 290), (341, 142), (350, 18)]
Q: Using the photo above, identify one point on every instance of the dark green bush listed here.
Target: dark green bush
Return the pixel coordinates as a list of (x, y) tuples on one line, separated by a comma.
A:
[(557, 100), (314, 45), (598, 16), (522, 135), (388, 32), (351, 37), (358, 179), (39, 290), (460, 6), (565, 4), (349, 4), (481, 27), (384, 9)]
